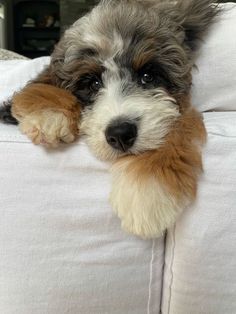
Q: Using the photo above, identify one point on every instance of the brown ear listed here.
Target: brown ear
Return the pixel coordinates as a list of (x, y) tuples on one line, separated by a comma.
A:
[(53, 76), (47, 114), (38, 96), (47, 76)]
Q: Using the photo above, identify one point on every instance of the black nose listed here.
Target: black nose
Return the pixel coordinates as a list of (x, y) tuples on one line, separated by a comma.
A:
[(121, 136)]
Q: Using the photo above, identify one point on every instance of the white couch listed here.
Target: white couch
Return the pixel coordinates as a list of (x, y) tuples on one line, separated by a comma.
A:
[(62, 250)]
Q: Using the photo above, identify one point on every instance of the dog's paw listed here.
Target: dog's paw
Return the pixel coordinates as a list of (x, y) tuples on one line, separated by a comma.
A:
[(48, 127), (145, 208)]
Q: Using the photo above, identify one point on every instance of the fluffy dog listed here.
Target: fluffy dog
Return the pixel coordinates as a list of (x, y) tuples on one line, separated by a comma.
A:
[(121, 76)]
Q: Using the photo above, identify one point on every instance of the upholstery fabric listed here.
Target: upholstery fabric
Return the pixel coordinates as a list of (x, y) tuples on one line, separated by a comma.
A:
[(61, 247), (200, 255), (9, 55), (214, 78), (14, 74)]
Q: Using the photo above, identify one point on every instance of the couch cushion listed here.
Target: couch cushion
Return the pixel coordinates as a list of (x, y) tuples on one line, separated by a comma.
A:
[(200, 271), (10, 55), (214, 80), (14, 74), (62, 249)]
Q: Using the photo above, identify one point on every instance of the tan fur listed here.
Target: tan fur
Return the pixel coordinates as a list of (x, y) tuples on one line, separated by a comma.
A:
[(150, 190), (47, 114), (47, 127), (178, 162)]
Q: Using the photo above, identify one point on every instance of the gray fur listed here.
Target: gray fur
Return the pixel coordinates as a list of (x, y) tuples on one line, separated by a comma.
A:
[(125, 30), (173, 28)]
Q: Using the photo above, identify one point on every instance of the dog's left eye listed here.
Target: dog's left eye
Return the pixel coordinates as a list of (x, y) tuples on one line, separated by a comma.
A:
[(90, 84), (95, 85), (147, 78)]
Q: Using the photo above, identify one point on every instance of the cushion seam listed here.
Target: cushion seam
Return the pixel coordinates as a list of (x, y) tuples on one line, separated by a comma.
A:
[(150, 276), (171, 268)]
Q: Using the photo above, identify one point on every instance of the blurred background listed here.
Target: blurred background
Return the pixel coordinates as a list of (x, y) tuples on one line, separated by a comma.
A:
[(32, 27)]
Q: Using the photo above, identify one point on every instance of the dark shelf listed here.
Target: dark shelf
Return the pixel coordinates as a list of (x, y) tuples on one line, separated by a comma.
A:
[(39, 29), (36, 35), (34, 53)]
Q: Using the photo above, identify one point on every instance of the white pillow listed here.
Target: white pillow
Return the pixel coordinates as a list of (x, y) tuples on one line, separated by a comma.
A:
[(14, 74), (214, 82)]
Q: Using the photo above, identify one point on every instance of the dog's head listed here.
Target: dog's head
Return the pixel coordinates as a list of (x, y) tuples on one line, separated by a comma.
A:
[(129, 63)]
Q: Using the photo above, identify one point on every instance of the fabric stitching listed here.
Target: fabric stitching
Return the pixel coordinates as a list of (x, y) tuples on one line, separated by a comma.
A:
[(150, 277), (222, 135), (13, 137), (171, 268), (14, 140), (163, 271)]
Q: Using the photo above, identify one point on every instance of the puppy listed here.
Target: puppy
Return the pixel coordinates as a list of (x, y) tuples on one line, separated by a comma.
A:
[(121, 77)]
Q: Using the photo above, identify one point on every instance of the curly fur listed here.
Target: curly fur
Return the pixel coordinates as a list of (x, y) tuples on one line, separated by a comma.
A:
[(115, 45)]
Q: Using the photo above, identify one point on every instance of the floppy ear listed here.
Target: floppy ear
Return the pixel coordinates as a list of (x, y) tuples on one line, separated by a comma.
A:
[(195, 17), (47, 112)]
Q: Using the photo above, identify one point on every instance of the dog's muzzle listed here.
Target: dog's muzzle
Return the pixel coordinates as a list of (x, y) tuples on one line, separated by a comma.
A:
[(121, 136)]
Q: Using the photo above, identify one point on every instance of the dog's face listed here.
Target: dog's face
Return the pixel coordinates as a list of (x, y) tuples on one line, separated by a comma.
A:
[(128, 62)]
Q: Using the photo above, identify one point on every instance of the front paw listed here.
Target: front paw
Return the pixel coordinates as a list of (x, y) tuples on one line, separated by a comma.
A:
[(48, 127), (145, 207)]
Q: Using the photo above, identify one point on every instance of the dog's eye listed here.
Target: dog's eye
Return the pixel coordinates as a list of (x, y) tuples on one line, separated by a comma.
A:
[(147, 78), (95, 85), (87, 88)]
